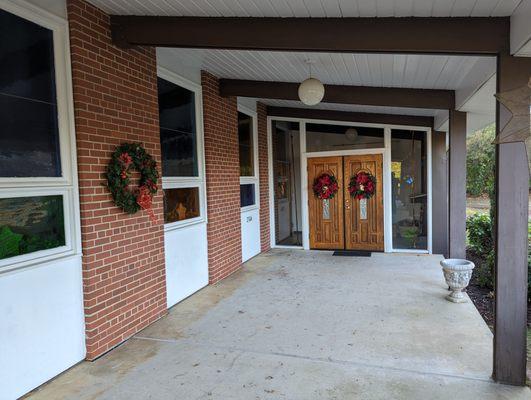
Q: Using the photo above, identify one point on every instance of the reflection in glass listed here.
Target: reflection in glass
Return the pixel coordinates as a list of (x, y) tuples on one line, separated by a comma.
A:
[(409, 189), (245, 140), (178, 135), (325, 137), (29, 137), (247, 197), (287, 183), (29, 224), (181, 204)]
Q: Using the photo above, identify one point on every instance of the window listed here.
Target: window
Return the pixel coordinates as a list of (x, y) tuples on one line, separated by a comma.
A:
[(29, 224), (248, 148), (409, 189), (36, 186), (245, 140), (181, 145), (29, 141), (326, 137), (247, 195), (177, 130), (181, 204)]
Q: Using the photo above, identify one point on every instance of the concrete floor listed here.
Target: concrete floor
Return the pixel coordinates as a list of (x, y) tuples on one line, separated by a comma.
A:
[(304, 325)]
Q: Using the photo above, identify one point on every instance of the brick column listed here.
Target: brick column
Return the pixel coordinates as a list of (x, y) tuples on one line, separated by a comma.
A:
[(115, 101), (263, 165), (220, 115)]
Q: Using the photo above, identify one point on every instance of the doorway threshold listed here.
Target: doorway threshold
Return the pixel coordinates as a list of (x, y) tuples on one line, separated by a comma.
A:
[(352, 253)]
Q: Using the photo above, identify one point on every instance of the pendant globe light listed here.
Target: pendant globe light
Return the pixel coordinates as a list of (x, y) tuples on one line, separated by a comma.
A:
[(311, 91)]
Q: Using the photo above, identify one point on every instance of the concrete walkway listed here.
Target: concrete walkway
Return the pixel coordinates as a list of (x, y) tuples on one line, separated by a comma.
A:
[(304, 325)]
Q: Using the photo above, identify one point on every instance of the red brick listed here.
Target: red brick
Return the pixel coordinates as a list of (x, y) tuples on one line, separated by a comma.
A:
[(115, 101)]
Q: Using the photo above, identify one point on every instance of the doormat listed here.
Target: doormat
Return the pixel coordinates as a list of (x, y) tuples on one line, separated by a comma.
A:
[(352, 253)]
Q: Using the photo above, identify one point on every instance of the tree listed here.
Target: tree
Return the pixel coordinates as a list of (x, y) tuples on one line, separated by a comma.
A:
[(480, 162)]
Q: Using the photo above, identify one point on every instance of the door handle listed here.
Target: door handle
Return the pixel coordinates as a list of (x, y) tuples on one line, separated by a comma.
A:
[(347, 205)]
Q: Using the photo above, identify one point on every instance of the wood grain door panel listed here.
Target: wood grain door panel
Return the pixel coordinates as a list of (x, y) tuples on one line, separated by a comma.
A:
[(326, 233), (364, 234)]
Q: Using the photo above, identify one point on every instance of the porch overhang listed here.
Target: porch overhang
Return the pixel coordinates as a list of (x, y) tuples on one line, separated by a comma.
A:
[(480, 36)]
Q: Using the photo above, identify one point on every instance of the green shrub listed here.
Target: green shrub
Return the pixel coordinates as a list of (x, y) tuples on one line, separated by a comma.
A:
[(481, 245), (479, 229)]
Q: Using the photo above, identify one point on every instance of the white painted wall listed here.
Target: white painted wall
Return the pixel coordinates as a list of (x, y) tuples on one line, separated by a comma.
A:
[(42, 330), (521, 29), (186, 256), (185, 242), (250, 221), (56, 7), (186, 68)]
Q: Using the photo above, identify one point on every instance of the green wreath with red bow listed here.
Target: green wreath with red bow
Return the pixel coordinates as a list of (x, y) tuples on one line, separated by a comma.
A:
[(127, 158)]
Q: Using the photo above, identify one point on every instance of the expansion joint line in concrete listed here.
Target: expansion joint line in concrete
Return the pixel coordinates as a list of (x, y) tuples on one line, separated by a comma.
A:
[(332, 361)]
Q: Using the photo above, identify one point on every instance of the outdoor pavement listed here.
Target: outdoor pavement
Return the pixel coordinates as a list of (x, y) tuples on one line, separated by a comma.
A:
[(304, 325)]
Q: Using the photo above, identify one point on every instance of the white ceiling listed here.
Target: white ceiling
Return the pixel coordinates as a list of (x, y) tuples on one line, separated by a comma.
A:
[(311, 8), (399, 70), (387, 70), (464, 74)]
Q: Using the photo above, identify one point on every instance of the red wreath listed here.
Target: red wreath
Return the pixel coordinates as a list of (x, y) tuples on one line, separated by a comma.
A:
[(362, 185), (325, 186)]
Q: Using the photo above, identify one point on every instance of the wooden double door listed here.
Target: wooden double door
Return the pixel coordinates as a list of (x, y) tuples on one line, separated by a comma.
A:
[(345, 222)]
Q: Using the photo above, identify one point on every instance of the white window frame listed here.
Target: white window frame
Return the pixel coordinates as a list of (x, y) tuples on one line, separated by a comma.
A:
[(175, 182), (255, 178), (386, 151), (66, 185)]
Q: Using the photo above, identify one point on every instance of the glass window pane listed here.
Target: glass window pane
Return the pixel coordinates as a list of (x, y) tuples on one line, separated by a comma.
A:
[(285, 138), (29, 137), (29, 224), (409, 189), (325, 137), (181, 204), (247, 195), (245, 138), (178, 135)]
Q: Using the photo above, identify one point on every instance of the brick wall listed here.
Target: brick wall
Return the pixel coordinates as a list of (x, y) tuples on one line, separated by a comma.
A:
[(220, 117), (115, 101), (263, 168)]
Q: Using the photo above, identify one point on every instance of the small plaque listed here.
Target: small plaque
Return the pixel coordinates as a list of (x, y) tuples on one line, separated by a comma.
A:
[(326, 209), (363, 209)]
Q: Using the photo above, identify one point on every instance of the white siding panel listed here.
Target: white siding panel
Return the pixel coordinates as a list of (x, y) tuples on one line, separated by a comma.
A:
[(186, 257), (42, 332)]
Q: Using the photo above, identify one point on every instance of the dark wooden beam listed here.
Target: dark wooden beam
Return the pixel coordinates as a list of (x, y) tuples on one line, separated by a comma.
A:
[(512, 190), (464, 35), (457, 184), (363, 95), (375, 118), (439, 160)]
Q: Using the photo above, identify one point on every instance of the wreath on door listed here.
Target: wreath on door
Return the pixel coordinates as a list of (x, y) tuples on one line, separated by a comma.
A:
[(362, 185), (325, 186), (127, 158)]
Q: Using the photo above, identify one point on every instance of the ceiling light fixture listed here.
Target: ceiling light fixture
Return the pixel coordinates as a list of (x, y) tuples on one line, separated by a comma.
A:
[(311, 91)]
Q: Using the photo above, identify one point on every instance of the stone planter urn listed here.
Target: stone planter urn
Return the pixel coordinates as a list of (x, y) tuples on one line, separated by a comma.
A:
[(457, 274)]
